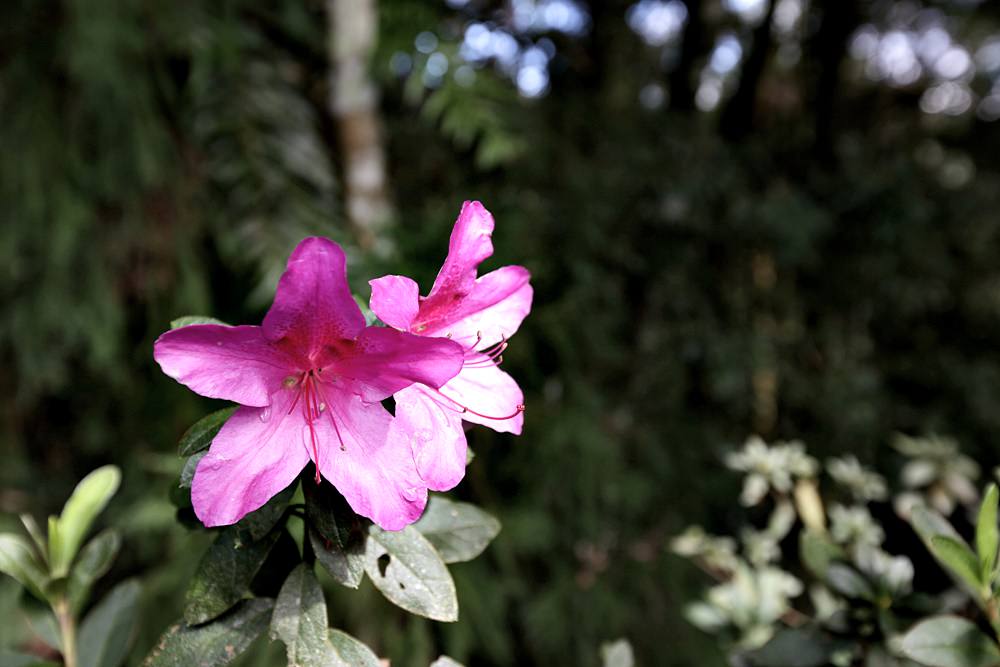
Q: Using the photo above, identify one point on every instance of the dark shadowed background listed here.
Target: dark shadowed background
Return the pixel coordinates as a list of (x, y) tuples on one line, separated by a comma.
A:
[(769, 216)]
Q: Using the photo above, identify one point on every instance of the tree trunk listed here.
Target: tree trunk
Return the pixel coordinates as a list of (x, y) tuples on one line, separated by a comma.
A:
[(739, 115)]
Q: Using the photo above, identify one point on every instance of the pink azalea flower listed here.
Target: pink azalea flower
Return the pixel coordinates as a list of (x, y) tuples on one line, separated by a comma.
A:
[(480, 313), (309, 381)]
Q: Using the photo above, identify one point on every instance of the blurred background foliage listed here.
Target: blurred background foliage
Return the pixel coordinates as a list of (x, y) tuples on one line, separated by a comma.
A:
[(767, 216)]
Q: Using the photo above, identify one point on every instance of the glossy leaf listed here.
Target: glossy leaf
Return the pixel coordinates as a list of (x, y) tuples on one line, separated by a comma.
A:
[(188, 320), (224, 574), (93, 563), (347, 567), (215, 644), (459, 531), (949, 641), (986, 532), (958, 558), (108, 630), (89, 498), (200, 435), (18, 560), (408, 571)]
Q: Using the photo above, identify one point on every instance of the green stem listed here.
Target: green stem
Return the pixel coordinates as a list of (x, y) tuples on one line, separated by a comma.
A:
[(993, 613), (67, 628)]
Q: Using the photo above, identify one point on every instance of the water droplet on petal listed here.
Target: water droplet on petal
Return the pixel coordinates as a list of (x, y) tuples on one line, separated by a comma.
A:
[(219, 343), (322, 407), (265, 413)]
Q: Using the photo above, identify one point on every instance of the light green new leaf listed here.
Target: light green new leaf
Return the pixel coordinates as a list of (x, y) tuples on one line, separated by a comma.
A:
[(18, 560), (188, 320), (346, 566), (200, 434), (37, 536), (108, 630), (949, 641), (958, 558), (617, 654), (215, 644), (459, 531), (408, 571), (93, 563), (89, 498), (986, 532), (349, 652), (224, 574)]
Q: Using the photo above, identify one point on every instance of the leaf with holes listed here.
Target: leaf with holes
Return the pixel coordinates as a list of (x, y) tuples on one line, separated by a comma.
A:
[(459, 531), (215, 644), (408, 571)]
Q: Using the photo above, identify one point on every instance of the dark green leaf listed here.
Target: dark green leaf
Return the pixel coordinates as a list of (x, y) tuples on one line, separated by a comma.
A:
[(300, 620), (949, 641), (986, 533), (459, 531), (108, 630), (404, 566), (224, 574), (347, 567), (260, 522), (958, 558), (18, 560), (349, 652), (89, 498), (797, 647), (94, 561), (215, 644), (846, 581), (188, 320), (200, 435), (187, 472), (330, 515)]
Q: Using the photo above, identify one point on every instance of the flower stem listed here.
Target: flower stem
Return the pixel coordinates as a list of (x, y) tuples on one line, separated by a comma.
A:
[(67, 629)]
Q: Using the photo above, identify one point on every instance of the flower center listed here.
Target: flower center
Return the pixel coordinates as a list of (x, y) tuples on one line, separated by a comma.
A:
[(309, 391)]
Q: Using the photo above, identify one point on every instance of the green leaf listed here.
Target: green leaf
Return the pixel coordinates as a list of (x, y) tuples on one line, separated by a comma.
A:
[(349, 652), (408, 571), (18, 560), (187, 472), (617, 654), (846, 581), (188, 320), (200, 435), (21, 660), (224, 574), (818, 552), (89, 498), (108, 630), (300, 621), (797, 647), (214, 644), (93, 563), (329, 514), (986, 533), (459, 531), (37, 536), (347, 567), (929, 524), (260, 522), (949, 641), (958, 558)]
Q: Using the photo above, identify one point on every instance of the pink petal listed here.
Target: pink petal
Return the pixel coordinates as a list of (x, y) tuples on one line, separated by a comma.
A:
[(258, 452), (433, 428), (485, 389), (373, 471), (491, 311), (395, 300), (313, 305), (232, 363), (469, 245), (383, 361)]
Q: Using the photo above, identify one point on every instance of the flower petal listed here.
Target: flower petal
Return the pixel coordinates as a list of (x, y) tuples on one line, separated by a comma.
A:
[(483, 388), (232, 363), (434, 431), (313, 305), (258, 452), (469, 245), (383, 361), (373, 471), (493, 310), (395, 299)]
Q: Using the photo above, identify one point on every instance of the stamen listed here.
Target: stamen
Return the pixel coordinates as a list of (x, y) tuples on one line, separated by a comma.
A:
[(464, 408)]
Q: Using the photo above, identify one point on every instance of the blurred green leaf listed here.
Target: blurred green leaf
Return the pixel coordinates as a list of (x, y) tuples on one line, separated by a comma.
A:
[(224, 574), (108, 630), (986, 533), (949, 641), (957, 557), (18, 560), (347, 567), (94, 561), (200, 434), (459, 531), (215, 644), (618, 653), (21, 660), (408, 571), (847, 581), (797, 647), (37, 536), (188, 320), (818, 551), (89, 498)]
